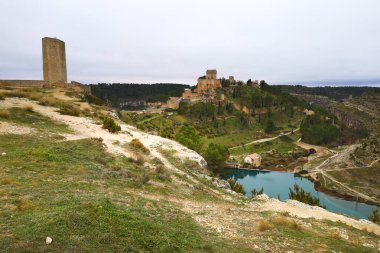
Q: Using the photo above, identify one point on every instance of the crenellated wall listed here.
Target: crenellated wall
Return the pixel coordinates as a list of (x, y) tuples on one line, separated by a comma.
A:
[(24, 83)]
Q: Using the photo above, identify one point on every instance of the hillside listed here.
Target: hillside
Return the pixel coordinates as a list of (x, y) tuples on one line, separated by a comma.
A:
[(354, 171), (64, 176)]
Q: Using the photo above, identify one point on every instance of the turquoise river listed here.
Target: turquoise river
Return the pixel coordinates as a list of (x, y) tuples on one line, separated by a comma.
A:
[(277, 184)]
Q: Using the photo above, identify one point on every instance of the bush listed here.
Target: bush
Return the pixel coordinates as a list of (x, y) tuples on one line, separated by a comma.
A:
[(29, 108), (235, 186), (91, 99), (297, 193), (68, 109), (2, 97), (375, 216), (162, 173), (144, 179), (136, 146), (140, 160), (269, 127), (255, 193), (263, 225), (4, 113), (285, 221), (24, 204), (216, 156), (111, 125), (189, 137)]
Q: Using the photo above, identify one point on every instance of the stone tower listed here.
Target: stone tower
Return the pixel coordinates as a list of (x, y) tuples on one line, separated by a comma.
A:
[(54, 60)]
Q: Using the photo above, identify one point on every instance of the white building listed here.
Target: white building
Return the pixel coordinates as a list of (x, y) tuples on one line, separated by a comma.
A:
[(253, 159)]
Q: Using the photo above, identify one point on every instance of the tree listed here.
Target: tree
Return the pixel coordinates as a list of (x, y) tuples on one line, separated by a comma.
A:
[(297, 193), (263, 85), (269, 126), (375, 216), (236, 187), (249, 82), (188, 136), (216, 156), (255, 192)]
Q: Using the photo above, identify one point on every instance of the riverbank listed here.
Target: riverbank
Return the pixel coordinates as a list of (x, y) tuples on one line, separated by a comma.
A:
[(276, 185)]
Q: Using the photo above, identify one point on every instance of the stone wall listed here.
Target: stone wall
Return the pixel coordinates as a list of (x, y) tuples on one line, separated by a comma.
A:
[(23, 83)]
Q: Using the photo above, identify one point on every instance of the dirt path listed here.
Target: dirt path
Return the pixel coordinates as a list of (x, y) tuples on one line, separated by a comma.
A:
[(321, 151), (340, 156), (266, 139)]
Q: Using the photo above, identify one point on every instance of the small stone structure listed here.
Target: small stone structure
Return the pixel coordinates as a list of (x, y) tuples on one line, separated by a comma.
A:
[(232, 80), (253, 160)]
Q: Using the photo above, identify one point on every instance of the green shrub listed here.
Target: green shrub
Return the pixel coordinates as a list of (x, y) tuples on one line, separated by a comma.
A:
[(110, 124), (91, 99), (299, 194), (2, 97), (375, 216), (68, 109), (137, 146), (216, 156), (235, 186), (254, 192), (189, 137)]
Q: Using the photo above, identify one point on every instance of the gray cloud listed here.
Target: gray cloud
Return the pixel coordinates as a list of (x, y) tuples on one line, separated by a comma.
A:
[(176, 41)]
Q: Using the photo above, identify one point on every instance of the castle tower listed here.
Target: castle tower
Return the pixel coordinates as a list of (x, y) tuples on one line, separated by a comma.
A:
[(208, 83), (211, 74), (54, 60)]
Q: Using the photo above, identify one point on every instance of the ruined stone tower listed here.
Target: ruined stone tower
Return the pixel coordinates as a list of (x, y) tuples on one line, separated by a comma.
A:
[(54, 60)]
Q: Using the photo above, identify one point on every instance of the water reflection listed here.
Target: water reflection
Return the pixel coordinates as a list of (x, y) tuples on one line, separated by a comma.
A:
[(277, 184)]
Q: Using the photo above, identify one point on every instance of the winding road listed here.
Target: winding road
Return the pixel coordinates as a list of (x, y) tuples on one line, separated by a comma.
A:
[(266, 139)]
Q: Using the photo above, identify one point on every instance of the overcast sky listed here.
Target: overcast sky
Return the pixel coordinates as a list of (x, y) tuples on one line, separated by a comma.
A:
[(177, 40)]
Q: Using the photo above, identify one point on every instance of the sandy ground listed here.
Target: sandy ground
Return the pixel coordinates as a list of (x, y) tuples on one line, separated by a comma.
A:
[(321, 151), (8, 128), (301, 210), (87, 128)]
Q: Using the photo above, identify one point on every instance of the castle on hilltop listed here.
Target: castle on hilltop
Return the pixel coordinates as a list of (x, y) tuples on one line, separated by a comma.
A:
[(208, 83)]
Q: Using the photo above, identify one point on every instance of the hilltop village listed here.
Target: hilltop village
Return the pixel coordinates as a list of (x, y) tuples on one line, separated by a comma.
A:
[(206, 90)]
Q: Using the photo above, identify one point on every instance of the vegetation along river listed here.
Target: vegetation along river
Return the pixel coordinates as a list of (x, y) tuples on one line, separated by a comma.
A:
[(277, 184)]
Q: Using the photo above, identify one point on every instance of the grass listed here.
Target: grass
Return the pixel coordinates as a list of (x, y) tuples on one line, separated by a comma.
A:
[(282, 146), (4, 113), (69, 109), (46, 99), (73, 192), (27, 117)]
